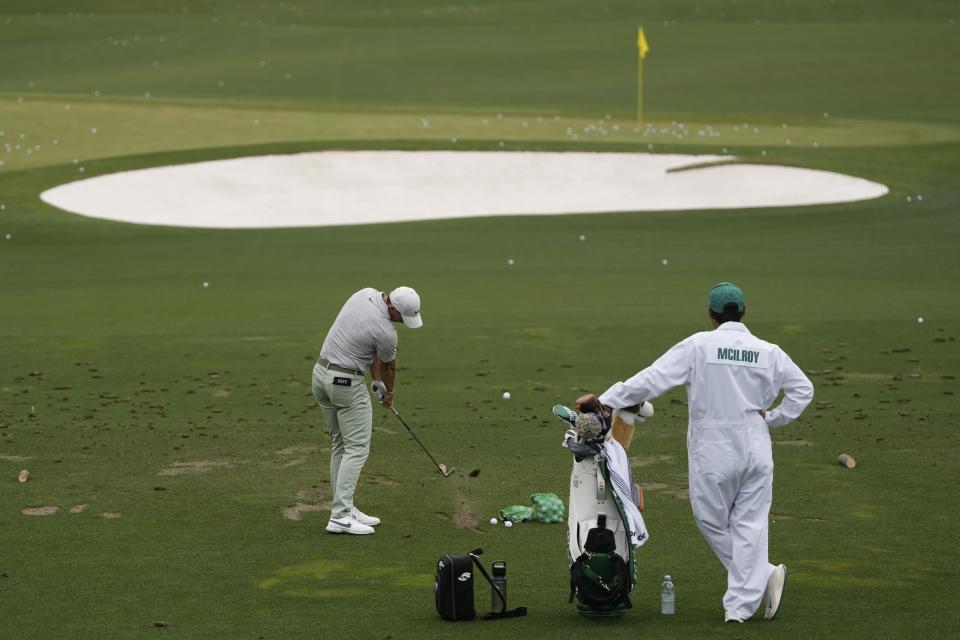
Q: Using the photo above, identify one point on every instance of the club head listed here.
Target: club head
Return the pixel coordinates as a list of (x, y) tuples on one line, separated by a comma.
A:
[(444, 472)]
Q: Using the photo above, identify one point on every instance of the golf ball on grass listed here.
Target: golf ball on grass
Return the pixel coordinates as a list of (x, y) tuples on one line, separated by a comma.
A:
[(508, 524), (493, 521), (920, 320), (506, 395)]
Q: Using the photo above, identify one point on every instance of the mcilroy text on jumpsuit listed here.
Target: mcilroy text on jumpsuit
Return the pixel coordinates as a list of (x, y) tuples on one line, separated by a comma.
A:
[(730, 376)]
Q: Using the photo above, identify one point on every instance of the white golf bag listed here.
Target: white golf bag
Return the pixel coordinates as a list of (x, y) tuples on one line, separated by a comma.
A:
[(591, 496), (602, 493)]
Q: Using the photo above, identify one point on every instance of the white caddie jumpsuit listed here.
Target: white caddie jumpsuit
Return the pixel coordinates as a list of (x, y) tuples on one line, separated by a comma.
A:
[(730, 376)]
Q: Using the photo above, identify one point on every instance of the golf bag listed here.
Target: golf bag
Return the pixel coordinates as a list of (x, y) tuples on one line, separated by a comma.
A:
[(604, 524), (454, 589)]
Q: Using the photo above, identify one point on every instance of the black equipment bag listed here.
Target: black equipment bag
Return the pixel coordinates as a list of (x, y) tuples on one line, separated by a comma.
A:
[(454, 589)]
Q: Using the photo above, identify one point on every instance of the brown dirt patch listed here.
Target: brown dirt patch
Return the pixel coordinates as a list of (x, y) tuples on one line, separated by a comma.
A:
[(464, 517), (7, 458), (284, 464), (48, 510), (294, 512), (296, 451), (382, 479), (667, 490), (312, 495), (308, 500), (785, 516), (110, 515), (644, 461), (193, 467), (78, 508), (793, 443), (292, 457)]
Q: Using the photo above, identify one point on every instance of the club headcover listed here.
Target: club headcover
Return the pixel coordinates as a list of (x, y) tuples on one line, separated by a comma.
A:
[(591, 426), (565, 413)]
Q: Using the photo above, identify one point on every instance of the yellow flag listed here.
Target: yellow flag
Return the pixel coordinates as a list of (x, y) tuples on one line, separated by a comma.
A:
[(642, 44)]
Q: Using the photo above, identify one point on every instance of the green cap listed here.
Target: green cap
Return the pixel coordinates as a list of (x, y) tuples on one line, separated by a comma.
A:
[(723, 294)]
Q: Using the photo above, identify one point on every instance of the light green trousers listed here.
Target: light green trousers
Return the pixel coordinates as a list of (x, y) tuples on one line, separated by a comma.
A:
[(349, 416)]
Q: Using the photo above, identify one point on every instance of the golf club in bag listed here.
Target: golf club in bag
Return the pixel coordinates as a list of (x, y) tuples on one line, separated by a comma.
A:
[(442, 468)]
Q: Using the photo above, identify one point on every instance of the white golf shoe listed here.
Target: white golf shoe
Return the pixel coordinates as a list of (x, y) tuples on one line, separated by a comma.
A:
[(348, 525), (774, 593), (362, 518), (728, 617)]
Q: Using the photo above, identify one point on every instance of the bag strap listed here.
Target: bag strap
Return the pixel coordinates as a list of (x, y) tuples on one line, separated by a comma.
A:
[(596, 578), (519, 612), (503, 613), (576, 570)]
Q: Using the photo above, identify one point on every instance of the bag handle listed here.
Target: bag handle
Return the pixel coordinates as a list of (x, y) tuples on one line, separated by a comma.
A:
[(503, 613)]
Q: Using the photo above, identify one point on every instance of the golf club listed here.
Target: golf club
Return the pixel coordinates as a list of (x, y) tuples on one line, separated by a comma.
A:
[(440, 467)]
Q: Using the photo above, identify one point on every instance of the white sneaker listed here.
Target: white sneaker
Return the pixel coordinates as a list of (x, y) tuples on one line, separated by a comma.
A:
[(774, 593), (727, 617), (362, 518), (348, 525)]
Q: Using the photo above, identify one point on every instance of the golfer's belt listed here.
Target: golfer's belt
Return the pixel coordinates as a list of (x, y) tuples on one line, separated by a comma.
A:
[(335, 367)]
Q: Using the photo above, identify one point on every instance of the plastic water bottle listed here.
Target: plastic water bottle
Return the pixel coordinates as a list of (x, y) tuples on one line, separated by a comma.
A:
[(668, 597), (499, 579)]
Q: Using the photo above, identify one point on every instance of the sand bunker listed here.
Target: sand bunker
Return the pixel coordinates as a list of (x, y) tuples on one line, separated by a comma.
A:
[(366, 187)]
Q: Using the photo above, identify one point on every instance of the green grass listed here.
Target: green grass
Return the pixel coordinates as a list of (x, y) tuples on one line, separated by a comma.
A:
[(118, 364)]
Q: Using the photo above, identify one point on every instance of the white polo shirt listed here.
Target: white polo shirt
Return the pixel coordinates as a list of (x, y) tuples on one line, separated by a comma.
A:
[(730, 376), (362, 330)]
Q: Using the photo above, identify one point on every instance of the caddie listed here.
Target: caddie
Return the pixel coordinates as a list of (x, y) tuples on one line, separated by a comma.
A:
[(361, 339), (732, 378)]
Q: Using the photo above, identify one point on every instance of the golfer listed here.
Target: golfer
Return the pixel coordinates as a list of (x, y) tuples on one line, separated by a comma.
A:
[(361, 339), (732, 378)]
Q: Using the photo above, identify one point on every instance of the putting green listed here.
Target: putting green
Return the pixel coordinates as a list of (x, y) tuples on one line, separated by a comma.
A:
[(45, 130)]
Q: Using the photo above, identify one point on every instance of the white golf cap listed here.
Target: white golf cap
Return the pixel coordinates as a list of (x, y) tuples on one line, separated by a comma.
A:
[(407, 302)]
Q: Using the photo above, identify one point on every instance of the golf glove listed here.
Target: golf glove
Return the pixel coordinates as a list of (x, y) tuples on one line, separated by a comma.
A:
[(378, 389)]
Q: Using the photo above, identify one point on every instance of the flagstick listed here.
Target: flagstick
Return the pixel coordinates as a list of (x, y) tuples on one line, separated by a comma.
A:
[(642, 48), (639, 91)]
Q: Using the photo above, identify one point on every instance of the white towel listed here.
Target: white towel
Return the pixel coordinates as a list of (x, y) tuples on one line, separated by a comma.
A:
[(618, 466)]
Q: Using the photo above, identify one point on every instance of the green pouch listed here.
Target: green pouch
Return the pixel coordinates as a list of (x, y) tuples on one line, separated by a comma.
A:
[(516, 513), (547, 507)]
